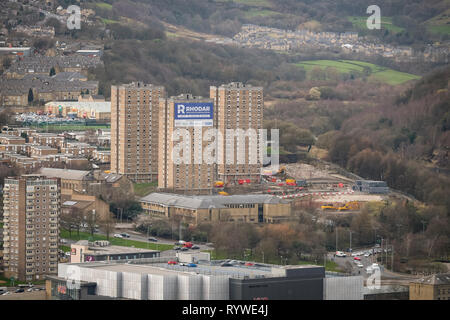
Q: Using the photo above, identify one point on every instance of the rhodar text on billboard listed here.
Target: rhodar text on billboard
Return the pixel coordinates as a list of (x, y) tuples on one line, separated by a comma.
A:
[(194, 114)]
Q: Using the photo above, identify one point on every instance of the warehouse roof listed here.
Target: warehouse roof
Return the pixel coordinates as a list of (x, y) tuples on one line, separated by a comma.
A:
[(64, 173), (205, 202)]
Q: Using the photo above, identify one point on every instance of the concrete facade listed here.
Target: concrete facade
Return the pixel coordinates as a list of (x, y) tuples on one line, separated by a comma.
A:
[(134, 130)]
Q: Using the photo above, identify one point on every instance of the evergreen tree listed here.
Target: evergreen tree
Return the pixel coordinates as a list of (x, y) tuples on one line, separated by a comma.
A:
[(30, 95)]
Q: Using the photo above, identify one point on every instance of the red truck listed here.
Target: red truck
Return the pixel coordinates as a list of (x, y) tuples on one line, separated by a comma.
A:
[(188, 245)]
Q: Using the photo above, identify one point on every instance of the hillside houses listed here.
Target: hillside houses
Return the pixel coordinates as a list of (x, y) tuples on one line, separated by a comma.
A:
[(286, 40), (38, 64), (60, 87)]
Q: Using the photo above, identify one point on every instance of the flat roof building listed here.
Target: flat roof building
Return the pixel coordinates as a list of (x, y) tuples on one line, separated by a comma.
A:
[(155, 279), (85, 251)]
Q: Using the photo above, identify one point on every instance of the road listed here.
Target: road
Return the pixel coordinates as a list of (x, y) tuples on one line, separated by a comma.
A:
[(137, 236), (387, 276)]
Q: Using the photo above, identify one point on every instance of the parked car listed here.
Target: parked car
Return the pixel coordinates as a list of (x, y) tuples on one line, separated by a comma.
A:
[(177, 248), (357, 258), (184, 249), (191, 265), (195, 247), (116, 235), (125, 235), (152, 239), (226, 264), (19, 290), (360, 265), (172, 262)]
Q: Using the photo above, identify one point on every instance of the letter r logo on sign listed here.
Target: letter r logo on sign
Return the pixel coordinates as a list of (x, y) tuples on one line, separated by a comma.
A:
[(180, 108)]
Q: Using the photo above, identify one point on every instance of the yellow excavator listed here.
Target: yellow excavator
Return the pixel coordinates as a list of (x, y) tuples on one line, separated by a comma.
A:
[(351, 205)]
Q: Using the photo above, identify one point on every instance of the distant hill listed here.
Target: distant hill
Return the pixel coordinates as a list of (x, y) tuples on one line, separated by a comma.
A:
[(404, 22)]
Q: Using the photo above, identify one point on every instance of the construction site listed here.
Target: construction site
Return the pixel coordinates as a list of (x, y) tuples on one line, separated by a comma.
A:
[(322, 186)]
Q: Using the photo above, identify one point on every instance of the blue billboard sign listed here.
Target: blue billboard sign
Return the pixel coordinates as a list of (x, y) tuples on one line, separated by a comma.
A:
[(194, 114)]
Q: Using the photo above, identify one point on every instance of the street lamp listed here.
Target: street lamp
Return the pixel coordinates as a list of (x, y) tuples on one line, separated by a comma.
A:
[(350, 249)]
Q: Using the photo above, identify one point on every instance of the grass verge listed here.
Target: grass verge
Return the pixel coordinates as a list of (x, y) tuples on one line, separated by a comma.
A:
[(114, 241)]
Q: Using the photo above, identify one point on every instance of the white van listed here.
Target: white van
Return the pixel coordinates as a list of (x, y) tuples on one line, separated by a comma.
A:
[(340, 254)]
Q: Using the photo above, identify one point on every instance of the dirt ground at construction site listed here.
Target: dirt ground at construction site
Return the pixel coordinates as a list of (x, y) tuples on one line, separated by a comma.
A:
[(351, 197)]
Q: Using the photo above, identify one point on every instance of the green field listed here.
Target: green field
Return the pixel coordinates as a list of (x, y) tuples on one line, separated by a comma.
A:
[(64, 248), (445, 29), (104, 5), (69, 127), (260, 13), (64, 234), (376, 73), (439, 24), (143, 189), (109, 21), (251, 3), (360, 22)]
